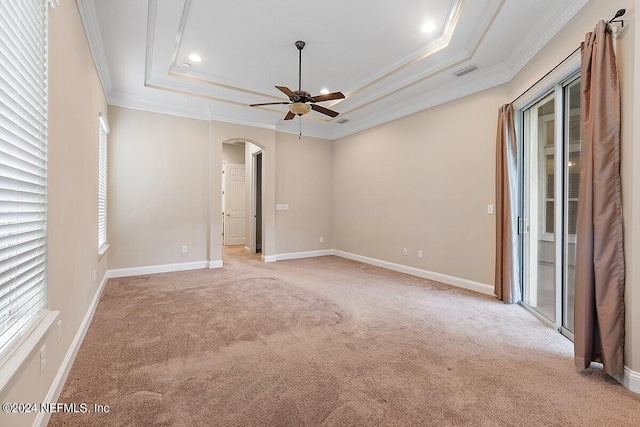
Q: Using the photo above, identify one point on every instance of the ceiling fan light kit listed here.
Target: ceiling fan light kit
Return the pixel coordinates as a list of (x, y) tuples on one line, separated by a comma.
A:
[(300, 101), (299, 108)]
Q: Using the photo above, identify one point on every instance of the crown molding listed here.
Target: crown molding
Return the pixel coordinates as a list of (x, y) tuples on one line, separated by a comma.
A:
[(418, 75), (306, 127), (488, 16), (89, 18), (535, 41), (439, 43), (383, 92), (158, 104), (465, 86)]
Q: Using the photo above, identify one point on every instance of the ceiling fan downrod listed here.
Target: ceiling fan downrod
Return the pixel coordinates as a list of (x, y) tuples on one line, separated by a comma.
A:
[(300, 45)]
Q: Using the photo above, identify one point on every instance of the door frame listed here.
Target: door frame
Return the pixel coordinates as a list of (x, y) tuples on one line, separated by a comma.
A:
[(560, 221), (252, 201)]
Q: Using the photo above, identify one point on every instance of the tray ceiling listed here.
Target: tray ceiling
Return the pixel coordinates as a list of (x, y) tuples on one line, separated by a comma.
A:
[(373, 51)]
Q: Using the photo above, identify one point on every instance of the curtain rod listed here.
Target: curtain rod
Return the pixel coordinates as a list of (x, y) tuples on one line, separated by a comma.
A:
[(549, 72), (619, 14)]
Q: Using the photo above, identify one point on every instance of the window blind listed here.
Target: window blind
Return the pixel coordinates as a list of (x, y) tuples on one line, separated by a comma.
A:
[(23, 166), (102, 183)]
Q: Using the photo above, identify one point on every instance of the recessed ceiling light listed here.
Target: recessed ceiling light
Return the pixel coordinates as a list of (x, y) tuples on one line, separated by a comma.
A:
[(186, 64), (428, 27), (324, 91), (195, 58)]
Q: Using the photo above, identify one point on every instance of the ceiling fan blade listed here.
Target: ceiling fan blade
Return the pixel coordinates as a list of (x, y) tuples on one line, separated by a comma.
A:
[(289, 116), (324, 110), (328, 97), (286, 91), (269, 103)]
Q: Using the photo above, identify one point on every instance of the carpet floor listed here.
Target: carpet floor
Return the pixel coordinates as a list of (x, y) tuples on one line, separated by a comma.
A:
[(326, 341)]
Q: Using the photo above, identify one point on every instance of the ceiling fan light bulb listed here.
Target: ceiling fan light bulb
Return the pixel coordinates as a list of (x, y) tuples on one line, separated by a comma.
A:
[(299, 108)]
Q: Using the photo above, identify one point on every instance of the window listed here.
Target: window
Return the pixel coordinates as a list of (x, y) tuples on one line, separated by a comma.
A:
[(23, 167), (102, 185)]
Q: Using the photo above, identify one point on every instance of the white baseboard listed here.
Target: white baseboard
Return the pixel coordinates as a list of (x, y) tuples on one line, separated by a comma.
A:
[(425, 274), (630, 379), (269, 258), (247, 249), (215, 264), (308, 254), (42, 419), (154, 269)]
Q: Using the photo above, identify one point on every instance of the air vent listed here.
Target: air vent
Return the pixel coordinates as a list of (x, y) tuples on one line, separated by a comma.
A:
[(342, 121), (464, 71)]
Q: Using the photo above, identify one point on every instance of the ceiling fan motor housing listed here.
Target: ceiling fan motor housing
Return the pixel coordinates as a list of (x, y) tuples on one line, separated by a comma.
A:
[(302, 96)]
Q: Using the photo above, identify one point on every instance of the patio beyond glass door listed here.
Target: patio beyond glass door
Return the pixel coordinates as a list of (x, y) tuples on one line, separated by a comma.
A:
[(551, 175)]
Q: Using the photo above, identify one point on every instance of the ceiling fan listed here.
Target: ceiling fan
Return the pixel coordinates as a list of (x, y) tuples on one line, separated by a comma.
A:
[(300, 101)]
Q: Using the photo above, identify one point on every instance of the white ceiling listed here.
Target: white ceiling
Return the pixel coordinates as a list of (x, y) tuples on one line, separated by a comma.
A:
[(372, 50)]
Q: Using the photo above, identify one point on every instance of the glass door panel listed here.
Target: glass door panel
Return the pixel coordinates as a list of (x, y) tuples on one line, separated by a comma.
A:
[(571, 180), (539, 203)]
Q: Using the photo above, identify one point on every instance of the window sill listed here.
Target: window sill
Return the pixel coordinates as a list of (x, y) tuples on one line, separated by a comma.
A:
[(12, 363), (103, 250)]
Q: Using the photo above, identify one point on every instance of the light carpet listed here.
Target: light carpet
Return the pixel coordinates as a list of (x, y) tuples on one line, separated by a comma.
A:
[(326, 341)]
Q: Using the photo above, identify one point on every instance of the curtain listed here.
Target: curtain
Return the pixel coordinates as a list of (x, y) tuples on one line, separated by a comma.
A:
[(507, 271), (600, 270)]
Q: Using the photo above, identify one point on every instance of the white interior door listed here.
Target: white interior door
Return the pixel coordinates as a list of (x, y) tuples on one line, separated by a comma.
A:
[(234, 215)]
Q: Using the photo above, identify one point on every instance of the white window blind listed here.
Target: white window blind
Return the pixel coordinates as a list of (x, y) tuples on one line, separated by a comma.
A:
[(102, 184), (23, 166)]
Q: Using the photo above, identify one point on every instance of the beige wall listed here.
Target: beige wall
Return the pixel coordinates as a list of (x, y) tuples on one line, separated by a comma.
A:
[(422, 182), (305, 183), (628, 51), (75, 99), (158, 189), (233, 153), (164, 177)]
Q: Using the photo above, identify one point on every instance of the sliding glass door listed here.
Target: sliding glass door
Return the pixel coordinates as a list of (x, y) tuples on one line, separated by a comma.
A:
[(551, 164)]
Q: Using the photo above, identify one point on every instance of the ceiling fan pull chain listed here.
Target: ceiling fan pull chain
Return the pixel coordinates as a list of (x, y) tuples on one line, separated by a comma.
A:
[(299, 127)]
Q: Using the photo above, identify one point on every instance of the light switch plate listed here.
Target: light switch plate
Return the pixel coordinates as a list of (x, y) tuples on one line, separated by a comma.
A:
[(490, 209)]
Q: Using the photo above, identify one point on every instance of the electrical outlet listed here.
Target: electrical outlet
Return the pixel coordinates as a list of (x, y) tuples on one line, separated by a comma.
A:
[(405, 252), (322, 240), (184, 249), (420, 254), (42, 358), (59, 330)]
